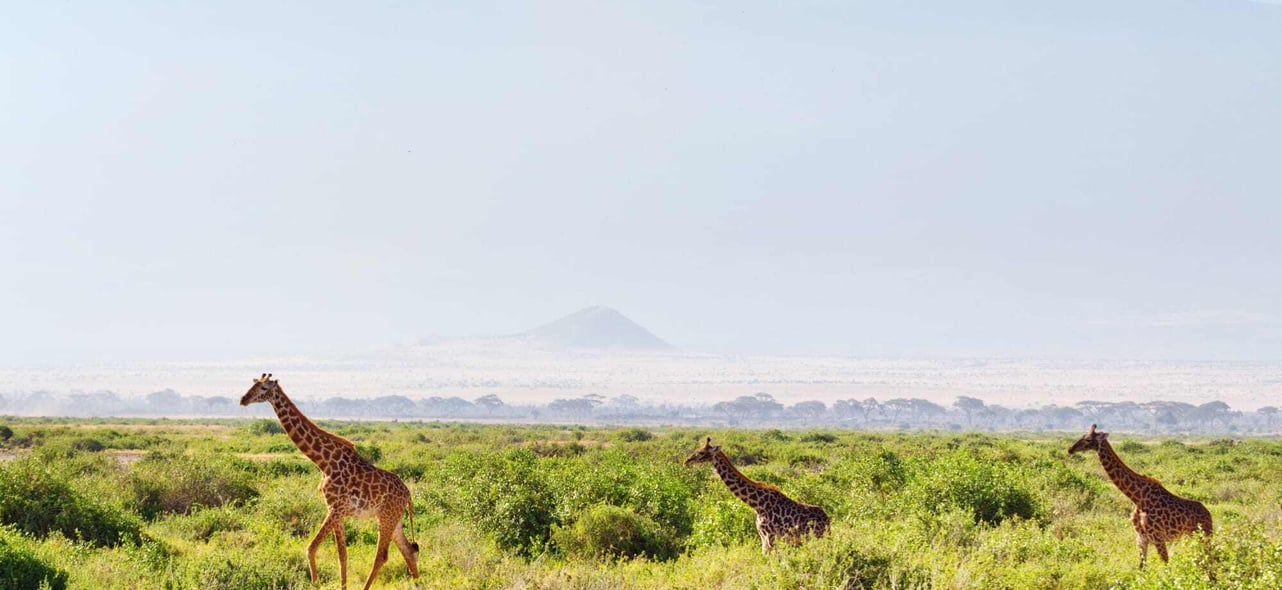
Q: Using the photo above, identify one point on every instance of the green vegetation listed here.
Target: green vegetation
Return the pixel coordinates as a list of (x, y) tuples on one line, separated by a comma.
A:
[(232, 504), (20, 569)]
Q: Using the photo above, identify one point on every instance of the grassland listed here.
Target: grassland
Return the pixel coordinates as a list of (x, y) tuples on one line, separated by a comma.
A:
[(231, 504)]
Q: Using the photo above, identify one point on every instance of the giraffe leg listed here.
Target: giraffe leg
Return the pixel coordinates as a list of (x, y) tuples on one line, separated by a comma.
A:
[(331, 519), (1161, 550), (1137, 520), (340, 539), (385, 528), (767, 539), (410, 553)]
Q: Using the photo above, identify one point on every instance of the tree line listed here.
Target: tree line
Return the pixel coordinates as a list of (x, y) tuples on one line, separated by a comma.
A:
[(757, 410)]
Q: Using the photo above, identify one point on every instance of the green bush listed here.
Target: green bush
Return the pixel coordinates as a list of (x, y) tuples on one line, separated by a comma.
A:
[(819, 437), (505, 495), (611, 532), (37, 500), (178, 483), (658, 490), (634, 435), (260, 569), (20, 569), (203, 524), (6, 433), (722, 519), (297, 513), (91, 445), (989, 492), (370, 451), (264, 427)]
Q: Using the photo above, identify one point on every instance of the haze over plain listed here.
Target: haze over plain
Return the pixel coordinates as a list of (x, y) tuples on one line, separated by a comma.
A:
[(1080, 181)]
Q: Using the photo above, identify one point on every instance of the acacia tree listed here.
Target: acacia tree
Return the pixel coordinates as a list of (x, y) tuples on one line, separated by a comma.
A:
[(490, 403), (969, 406)]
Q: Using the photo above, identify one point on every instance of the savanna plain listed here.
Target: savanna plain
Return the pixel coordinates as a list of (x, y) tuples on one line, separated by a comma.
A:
[(214, 504)]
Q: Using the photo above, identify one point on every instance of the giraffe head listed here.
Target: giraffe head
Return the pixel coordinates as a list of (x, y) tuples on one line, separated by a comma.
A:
[(264, 390), (704, 454), (1089, 442)]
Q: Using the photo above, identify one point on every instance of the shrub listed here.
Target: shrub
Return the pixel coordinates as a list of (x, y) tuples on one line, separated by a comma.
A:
[(722, 520), (842, 561), (1130, 446), (819, 437), (505, 495), (20, 569), (39, 501), (987, 491), (298, 514), (263, 568), (6, 433), (91, 445), (634, 435), (264, 427), (659, 491), (369, 451), (203, 524), (611, 532), (178, 483)]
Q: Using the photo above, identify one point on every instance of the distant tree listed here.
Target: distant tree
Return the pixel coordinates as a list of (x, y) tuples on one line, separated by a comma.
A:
[(809, 410), (1213, 412), (219, 405), (1268, 412), (1063, 416), (969, 406), (166, 401), (490, 403), (394, 405), (97, 403), (575, 407), (897, 406), (1168, 415), (757, 407), (1093, 410), (446, 407)]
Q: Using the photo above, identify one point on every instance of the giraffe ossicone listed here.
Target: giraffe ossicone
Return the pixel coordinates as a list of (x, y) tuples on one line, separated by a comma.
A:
[(778, 516), (352, 486), (1159, 516)]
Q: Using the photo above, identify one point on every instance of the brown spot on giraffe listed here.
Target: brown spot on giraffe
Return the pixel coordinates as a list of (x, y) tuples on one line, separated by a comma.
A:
[(778, 516), (1159, 516), (351, 485)]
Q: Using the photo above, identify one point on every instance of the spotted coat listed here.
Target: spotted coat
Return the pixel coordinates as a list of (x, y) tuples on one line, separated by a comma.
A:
[(778, 516), (1159, 516), (352, 486)]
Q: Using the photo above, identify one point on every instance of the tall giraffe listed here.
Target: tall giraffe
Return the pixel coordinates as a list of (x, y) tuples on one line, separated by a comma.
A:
[(778, 516), (1159, 515), (351, 485)]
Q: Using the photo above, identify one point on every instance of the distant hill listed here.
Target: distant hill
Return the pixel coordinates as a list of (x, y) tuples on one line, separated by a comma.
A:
[(596, 328)]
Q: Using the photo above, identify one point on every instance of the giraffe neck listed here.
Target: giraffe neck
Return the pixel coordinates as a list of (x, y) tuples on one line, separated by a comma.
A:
[(743, 488), (1131, 483), (314, 442)]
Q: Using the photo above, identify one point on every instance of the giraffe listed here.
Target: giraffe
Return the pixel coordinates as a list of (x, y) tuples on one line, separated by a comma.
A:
[(1159, 515), (351, 485), (778, 516)]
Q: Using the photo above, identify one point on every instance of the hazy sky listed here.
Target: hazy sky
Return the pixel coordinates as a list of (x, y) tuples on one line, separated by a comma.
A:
[(217, 180)]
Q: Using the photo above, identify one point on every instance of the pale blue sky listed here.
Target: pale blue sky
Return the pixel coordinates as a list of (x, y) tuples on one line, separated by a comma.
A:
[(1086, 179)]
